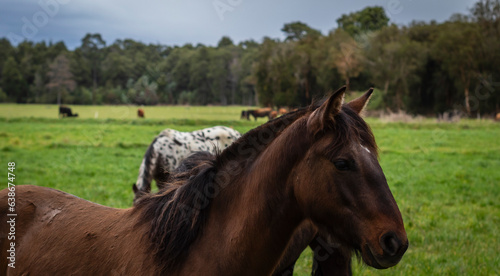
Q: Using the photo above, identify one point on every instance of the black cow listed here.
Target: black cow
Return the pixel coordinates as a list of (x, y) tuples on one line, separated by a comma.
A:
[(65, 111)]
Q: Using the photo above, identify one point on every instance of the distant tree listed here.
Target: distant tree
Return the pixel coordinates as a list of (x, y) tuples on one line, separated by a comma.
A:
[(394, 61), (380, 57), (323, 70), (91, 50), (13, 83), (117, 68), (6, 50), (368, 19), (298, 30), (180, 71), (199, 80), (261, 71), (3, 96), (61, 78), (38, 86), (29, 59), (346, 56), (219, 74), (487, 15), (249, 44), (143, 91), (53, 50), (225, 41), (487, 12), (247, 80), (456, 48), (234, 75)]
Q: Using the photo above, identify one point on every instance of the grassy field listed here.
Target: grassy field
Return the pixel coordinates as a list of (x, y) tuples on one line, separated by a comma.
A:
[(445, 177), (125, 112)]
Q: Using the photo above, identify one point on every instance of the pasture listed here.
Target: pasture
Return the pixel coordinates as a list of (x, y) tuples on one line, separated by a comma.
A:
[(445, 177)]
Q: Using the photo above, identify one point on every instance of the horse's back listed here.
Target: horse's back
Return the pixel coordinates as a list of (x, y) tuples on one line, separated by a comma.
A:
[(52, 225), (206, 139), (222, 135), (168, 132), (35, 209)]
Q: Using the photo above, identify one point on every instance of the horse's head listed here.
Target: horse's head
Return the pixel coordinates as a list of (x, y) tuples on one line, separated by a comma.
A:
[(342, 187)]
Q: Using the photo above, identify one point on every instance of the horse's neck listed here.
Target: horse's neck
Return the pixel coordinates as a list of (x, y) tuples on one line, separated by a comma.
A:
[(253, 217)]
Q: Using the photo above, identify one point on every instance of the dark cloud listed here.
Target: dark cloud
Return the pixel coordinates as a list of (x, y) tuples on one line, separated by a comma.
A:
[(176, 22)]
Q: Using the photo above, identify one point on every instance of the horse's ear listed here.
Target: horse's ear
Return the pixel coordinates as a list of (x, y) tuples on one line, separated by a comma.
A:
[(360, 103), (326, 112)]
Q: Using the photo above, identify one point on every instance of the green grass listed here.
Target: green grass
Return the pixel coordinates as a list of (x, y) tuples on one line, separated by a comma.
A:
[(445, 177), (125, 112)]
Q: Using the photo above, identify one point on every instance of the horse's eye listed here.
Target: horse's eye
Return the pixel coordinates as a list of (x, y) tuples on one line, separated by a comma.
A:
[(342, 165)]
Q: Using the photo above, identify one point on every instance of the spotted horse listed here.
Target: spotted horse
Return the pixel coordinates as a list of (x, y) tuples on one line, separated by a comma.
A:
[(170, 147)]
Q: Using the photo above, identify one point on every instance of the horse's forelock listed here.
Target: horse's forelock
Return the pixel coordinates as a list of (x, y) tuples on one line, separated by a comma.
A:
[(349, 128)]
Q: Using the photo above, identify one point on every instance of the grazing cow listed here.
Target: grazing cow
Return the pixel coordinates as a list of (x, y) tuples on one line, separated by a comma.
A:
[(65, 111), (170, 147), (262, 112), (273, 114), (140, 113), (244, 114), (497, 118)]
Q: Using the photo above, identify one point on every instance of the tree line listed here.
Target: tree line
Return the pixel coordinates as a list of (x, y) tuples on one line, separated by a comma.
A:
[(425, 67)]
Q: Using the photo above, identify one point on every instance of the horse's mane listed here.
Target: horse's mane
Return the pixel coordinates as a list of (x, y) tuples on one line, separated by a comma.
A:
[(173, 217), (260, 137), (177, 214)]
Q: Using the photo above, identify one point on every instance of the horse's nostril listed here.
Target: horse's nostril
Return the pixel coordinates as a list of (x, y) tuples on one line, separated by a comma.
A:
[(390, 244)]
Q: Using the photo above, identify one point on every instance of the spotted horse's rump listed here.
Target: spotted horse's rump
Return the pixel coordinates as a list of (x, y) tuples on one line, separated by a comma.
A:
[(170, 147)]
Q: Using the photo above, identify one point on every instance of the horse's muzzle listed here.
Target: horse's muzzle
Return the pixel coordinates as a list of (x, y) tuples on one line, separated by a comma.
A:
[(393, 250)]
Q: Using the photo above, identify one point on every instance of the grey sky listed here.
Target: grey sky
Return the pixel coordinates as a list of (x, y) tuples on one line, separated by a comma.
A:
[(176, 22)]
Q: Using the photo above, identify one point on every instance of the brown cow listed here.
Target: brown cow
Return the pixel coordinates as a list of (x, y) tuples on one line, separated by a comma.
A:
[(140, 113), (262, 112)]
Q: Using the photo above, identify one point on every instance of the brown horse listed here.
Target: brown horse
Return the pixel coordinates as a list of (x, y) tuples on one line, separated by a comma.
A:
[(234, 217)]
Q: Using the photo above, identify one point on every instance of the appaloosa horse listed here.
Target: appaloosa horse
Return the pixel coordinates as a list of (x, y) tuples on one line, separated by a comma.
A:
[(170, 147), (236, 216)]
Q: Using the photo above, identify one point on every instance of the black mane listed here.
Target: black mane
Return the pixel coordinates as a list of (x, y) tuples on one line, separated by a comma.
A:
[(176, 216), (260, 137)]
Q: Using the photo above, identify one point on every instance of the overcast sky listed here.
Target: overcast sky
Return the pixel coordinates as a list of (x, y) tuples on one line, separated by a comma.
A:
[(177, 22)]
